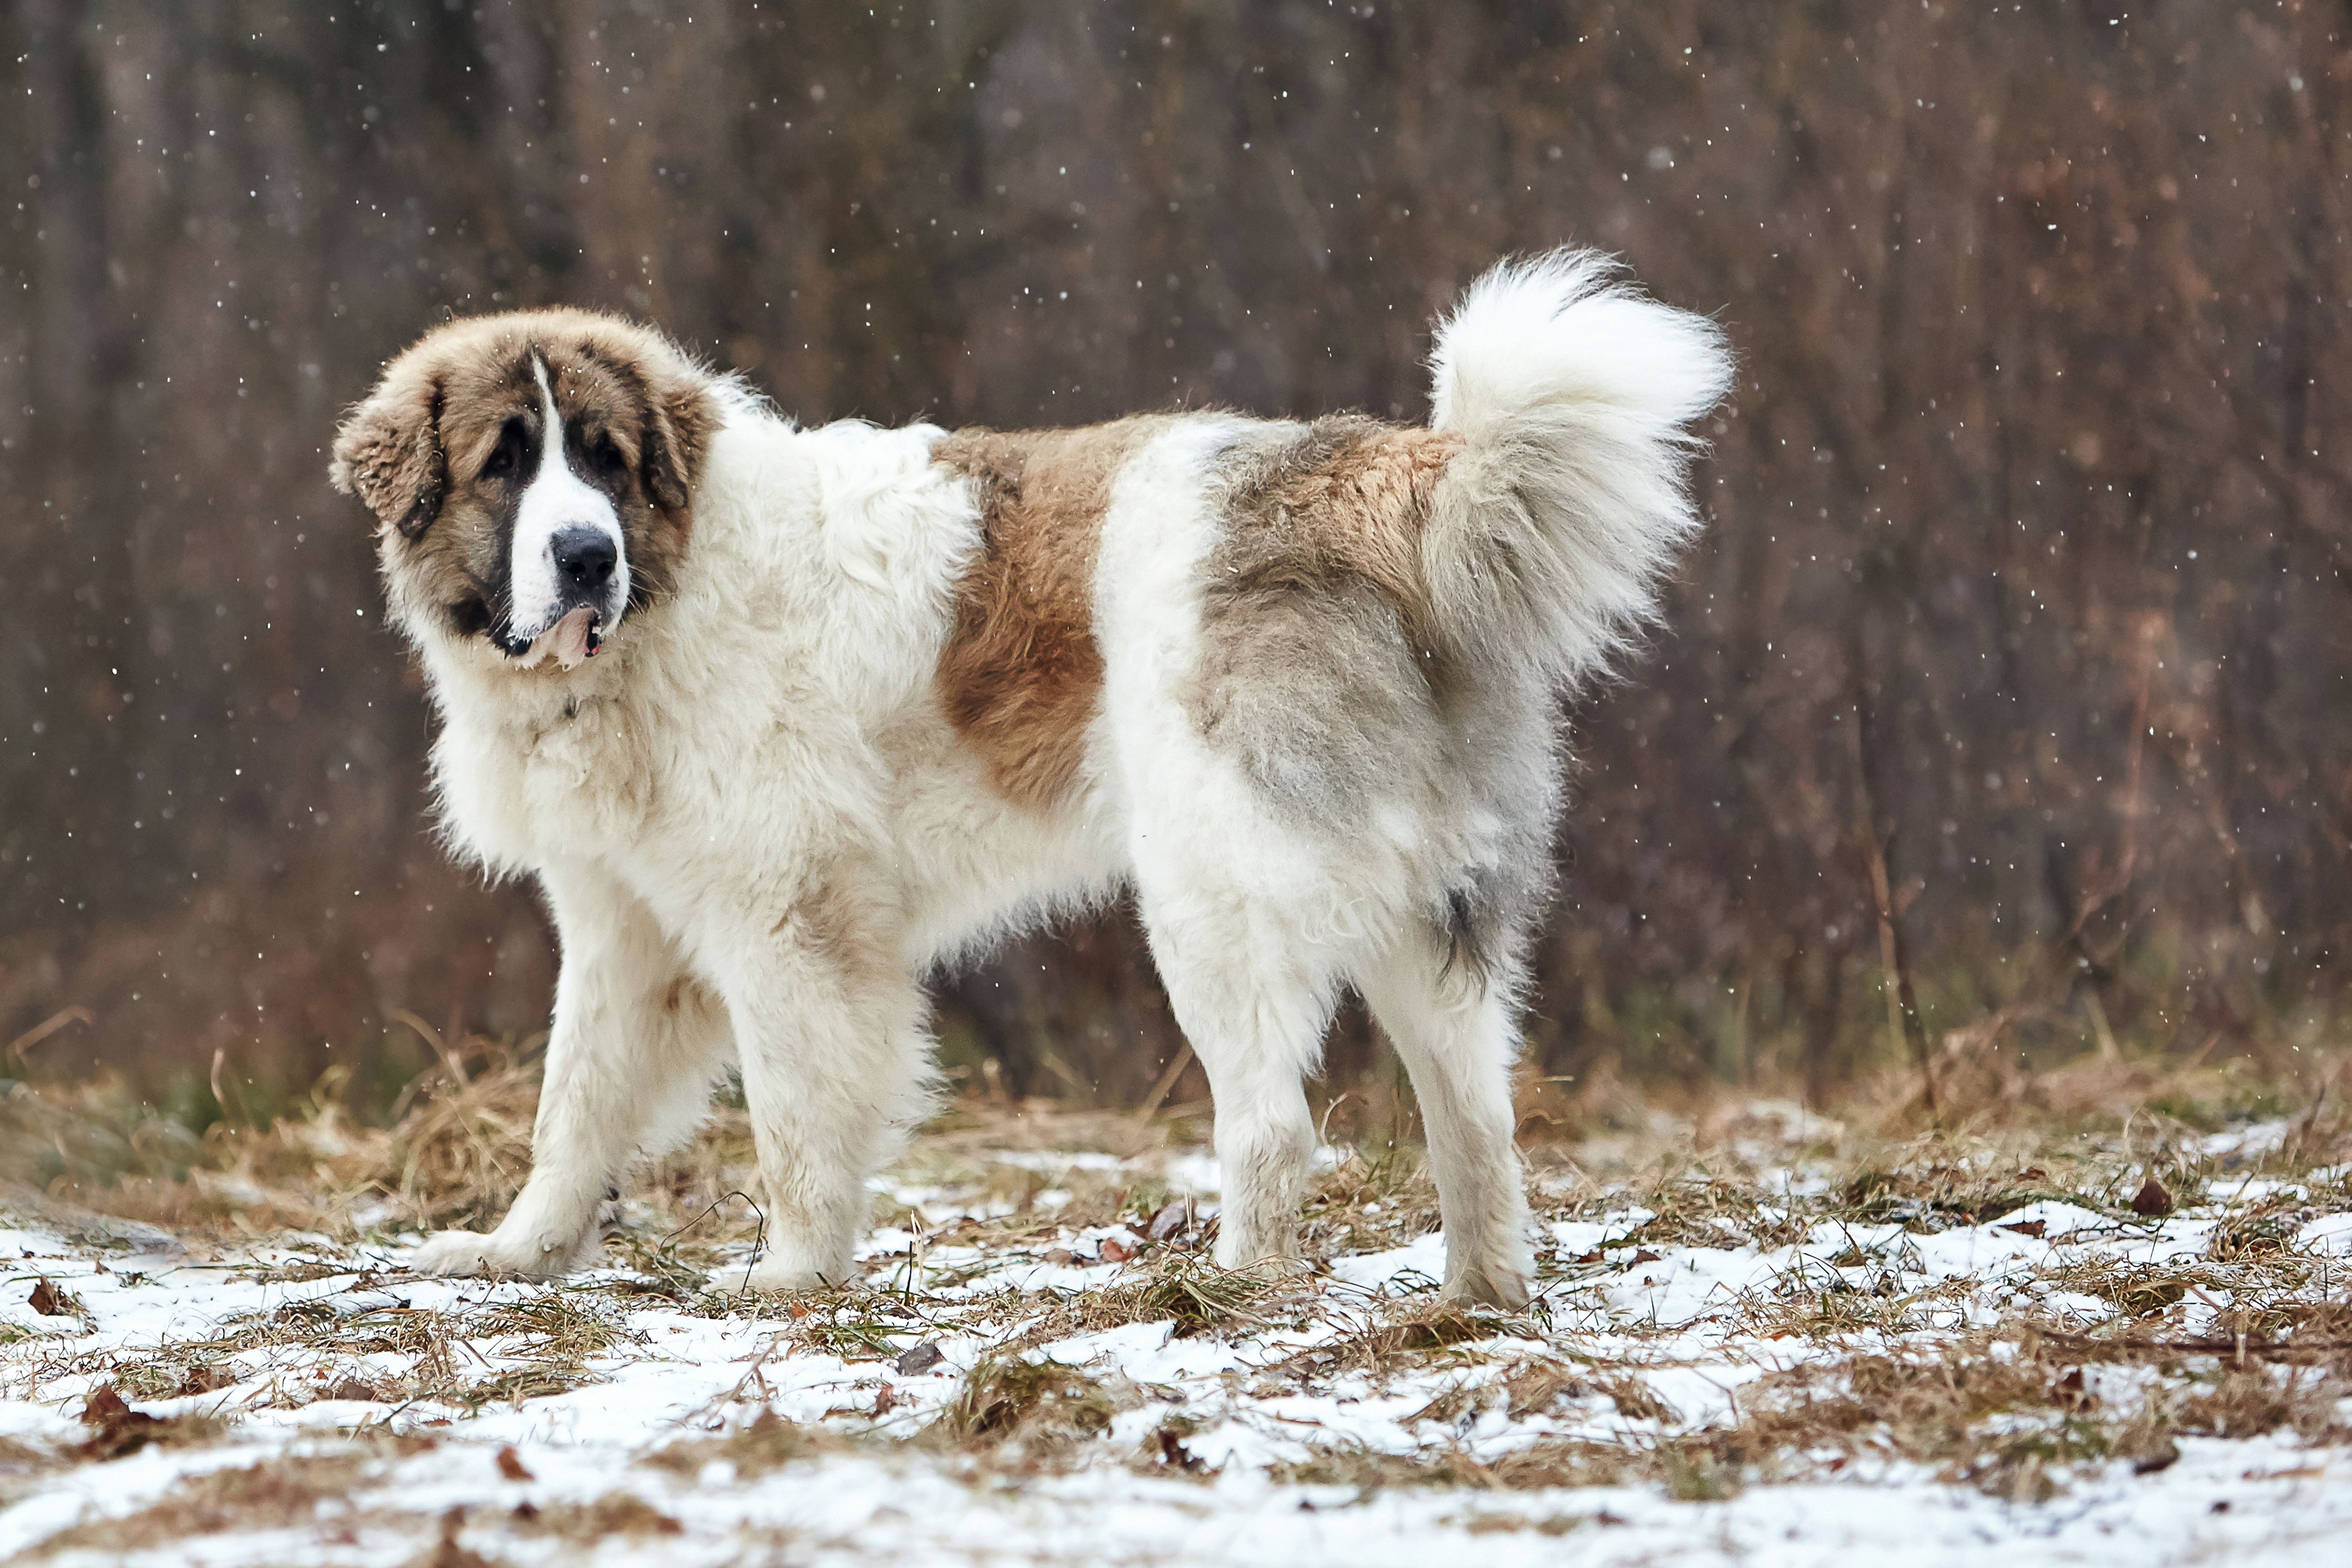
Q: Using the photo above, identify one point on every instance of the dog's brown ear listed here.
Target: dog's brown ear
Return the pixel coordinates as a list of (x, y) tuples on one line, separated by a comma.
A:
[(679, 420), (388, 453)]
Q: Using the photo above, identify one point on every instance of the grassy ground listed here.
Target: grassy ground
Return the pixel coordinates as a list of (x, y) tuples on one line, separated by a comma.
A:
[(2111, 1293)]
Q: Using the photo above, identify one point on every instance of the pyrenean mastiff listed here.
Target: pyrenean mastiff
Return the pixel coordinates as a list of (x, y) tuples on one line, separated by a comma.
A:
[(783, 719)]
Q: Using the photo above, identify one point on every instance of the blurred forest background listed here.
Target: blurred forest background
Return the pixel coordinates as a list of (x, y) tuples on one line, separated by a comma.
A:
[(2013, 666)]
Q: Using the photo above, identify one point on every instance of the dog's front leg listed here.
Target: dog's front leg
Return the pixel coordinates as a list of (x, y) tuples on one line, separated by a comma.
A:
[(632, 1052), (829, 1027)]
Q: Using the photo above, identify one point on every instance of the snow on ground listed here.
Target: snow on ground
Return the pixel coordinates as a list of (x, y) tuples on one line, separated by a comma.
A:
[(1770, 1367)]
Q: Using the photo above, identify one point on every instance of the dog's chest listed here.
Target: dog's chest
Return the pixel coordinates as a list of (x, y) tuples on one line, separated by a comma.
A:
[(592, 762), (580, 778)]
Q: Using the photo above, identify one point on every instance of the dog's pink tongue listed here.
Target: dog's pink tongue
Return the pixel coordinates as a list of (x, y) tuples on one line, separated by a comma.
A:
[(567, 639)]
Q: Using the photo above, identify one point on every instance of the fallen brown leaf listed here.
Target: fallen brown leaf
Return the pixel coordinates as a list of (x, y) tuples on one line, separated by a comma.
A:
[(205, 1377), (1173, 1454), (116, 1429)]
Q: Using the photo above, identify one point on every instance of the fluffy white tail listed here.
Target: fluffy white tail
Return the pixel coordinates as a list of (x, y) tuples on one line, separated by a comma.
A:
[(1551, 530)]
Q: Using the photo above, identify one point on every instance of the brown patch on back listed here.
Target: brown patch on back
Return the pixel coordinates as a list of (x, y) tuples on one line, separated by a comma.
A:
[(1348, 500), (1320, 670), (1022, 675)]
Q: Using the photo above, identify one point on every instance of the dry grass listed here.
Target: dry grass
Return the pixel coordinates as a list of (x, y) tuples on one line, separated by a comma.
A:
[(1397, 1338), (1184, 1288), (330, 1347), (1012, 1398), (456, 1154), (1542, 1466), (762, 1445), (1978, 1413), (461, 1142), (280, 1491), (615, 1514), (2108, 1348), (856, 1324)]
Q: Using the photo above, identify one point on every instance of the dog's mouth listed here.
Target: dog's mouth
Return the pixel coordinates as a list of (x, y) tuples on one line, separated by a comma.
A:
[(572, 641)]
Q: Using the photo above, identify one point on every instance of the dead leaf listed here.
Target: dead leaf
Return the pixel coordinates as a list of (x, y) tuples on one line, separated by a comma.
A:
[(207, 1377), (104, 1404), (2152, 1200), (1173, 1217), (1114, 1250), (2073, 1393), (116, 1428), (920, 1358), (2033, 1227), (48, 1301), (1173, 1454), (511, 1467)]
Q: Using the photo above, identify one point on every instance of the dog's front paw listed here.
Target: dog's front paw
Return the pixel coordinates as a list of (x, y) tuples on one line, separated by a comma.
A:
[(461, 1254), (786, 1272), (1506, 1282)]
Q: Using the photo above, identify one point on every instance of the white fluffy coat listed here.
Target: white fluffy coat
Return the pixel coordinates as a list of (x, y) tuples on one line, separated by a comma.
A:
[(757, 830)]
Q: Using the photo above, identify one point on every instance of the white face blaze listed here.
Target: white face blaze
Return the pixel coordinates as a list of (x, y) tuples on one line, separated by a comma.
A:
[(556, 502)]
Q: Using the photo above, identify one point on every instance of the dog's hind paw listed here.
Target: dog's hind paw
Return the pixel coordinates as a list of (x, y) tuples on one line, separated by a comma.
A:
[(461, 1254)]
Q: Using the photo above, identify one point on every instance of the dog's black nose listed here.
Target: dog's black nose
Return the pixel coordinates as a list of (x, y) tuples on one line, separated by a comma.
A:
[(585, 556)]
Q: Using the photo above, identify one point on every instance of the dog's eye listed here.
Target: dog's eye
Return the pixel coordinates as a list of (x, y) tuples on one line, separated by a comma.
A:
[(508, 457), (606, 456)]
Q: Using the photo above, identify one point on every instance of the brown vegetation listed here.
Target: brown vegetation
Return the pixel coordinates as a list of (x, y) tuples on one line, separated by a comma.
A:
[(1871, 1370)]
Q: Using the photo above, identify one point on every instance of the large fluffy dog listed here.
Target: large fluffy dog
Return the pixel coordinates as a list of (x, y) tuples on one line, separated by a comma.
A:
[(781, 719)]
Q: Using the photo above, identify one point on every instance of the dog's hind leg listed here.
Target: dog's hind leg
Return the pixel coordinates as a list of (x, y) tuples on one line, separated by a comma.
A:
[(634, 1051), (1255, 1007), (1453, 1027)]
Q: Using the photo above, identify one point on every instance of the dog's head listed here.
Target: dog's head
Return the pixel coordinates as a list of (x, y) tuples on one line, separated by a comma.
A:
[(533, 476)]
